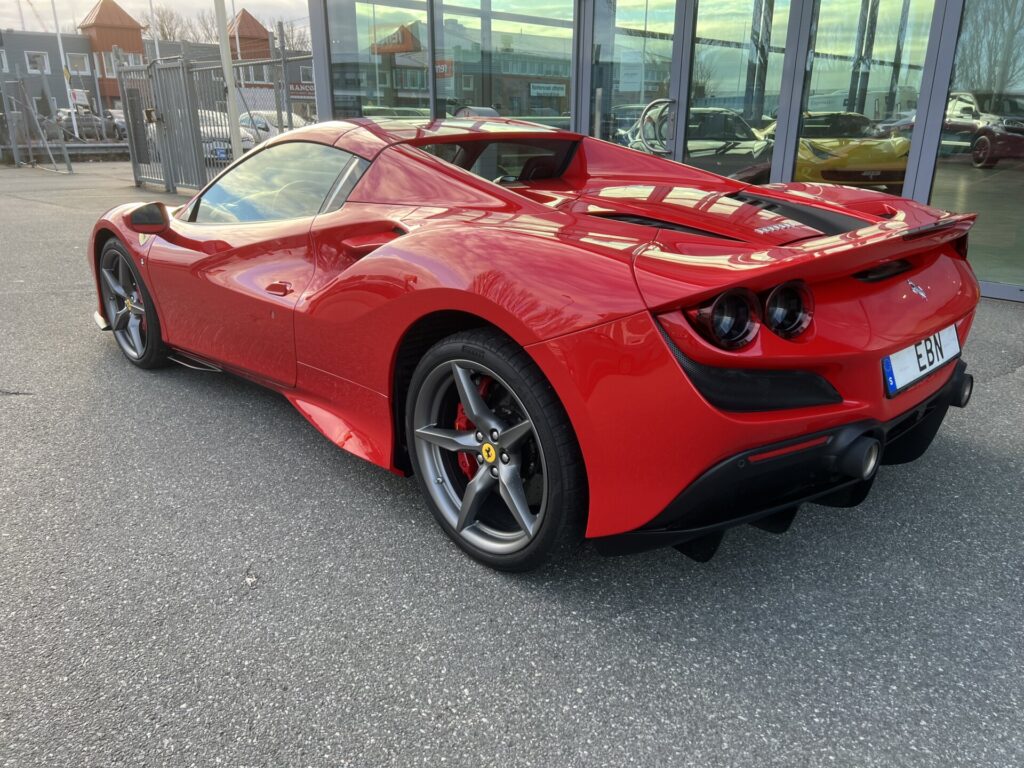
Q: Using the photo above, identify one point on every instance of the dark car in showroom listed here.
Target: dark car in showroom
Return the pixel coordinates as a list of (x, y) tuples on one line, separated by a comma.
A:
[(990, 126), (717, 139)]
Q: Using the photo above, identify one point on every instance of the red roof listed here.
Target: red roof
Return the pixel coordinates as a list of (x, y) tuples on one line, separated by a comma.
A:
[(248, 26), (107, 13)]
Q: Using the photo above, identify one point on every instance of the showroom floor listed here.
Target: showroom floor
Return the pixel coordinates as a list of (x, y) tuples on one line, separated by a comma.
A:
[(190, 574), (995, 195)]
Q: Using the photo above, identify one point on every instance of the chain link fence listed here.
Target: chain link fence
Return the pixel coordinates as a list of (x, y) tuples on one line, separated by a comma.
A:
[(176, 114)]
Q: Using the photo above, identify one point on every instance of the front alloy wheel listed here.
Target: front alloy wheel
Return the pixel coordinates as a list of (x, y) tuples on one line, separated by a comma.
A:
[(484, 438), (129, 310)]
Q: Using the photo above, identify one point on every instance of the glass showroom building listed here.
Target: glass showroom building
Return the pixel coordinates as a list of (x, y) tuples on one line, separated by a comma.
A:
[(920, 97)]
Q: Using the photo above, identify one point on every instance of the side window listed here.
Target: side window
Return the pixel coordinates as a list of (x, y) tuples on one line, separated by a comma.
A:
[(283, 181), (354, 171)]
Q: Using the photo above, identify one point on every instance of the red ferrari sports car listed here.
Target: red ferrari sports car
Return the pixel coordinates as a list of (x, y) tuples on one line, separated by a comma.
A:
[(560, 337)]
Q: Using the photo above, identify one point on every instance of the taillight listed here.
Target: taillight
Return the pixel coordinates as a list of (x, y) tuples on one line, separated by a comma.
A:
[(730, 321), (788, 309)]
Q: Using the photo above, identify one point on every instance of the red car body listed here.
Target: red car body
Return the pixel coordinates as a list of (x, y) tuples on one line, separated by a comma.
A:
[(573, 270)]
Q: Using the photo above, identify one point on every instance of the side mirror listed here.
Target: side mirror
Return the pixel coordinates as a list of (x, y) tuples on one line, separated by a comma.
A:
[(148, 219)]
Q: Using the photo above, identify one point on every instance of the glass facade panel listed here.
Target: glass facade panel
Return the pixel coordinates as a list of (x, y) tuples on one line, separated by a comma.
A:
[(378, 59), (631, 66), (516, 64), (981, 152), (861, 91), (734, 86)]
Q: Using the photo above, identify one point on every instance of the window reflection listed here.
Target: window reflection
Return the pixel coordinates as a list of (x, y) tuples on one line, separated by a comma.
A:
[(513, 60), (734, 86), (861, 90), (632, 59), (378, 59), (981, 153)]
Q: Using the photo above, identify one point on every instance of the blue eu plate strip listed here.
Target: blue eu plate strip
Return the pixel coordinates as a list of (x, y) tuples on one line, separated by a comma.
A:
[(890, 379)]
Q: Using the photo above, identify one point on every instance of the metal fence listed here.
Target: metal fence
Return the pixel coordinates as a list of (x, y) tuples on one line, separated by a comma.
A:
[(176, 113)]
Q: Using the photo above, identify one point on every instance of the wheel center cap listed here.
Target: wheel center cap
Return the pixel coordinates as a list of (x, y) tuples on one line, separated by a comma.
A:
[(489, 453)]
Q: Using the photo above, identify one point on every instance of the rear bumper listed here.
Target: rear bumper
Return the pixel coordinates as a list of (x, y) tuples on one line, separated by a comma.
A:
[(775, 479)]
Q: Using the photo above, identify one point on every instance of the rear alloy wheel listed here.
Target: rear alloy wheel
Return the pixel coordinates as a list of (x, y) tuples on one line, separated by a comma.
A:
[(129, 309), (981, 153), (494, 452)]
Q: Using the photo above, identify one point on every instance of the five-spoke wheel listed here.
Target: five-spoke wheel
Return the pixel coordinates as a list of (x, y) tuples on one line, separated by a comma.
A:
[(494, 452), (982, 153), (128, 308)]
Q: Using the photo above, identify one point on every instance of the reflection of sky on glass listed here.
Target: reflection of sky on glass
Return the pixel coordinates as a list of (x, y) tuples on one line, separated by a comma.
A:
[(722, 20)]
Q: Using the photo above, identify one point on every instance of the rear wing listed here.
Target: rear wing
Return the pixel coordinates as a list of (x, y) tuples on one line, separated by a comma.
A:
[(664, 275)]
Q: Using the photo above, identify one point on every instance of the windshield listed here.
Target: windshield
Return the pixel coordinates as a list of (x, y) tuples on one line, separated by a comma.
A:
[(836, 126), (1001, 103)]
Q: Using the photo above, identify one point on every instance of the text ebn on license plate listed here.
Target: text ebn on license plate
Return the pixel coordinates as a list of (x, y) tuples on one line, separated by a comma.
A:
[(903, 368)]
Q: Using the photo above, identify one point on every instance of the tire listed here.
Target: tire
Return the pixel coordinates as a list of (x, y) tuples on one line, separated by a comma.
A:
[(981, 153), (129, 308), (525, 481)]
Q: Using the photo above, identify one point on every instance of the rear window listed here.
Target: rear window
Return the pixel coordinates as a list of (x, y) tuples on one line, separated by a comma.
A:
[(509, 160)]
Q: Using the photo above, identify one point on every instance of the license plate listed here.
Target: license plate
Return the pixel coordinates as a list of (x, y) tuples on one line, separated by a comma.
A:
[(220, 153), (903, 368)]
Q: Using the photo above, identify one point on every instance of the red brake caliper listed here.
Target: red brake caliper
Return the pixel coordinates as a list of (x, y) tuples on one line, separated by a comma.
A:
[(467, 463)]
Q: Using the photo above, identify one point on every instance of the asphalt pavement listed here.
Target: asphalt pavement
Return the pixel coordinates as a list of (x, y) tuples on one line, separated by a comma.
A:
[(191, 575)]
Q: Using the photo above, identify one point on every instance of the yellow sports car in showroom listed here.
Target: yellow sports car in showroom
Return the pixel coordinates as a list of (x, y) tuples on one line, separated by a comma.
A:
[(843, 148)]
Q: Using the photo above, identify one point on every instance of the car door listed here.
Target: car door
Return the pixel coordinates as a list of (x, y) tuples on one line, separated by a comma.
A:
[(230, 269)]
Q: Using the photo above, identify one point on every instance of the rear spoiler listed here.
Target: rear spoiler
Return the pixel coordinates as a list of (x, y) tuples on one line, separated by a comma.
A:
[(663, 276)]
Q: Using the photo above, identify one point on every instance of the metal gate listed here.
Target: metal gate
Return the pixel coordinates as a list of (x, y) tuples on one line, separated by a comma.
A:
[(176, 114)]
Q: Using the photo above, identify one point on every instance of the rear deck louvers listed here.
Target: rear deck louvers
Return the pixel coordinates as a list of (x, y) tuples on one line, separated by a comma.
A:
[(825, 221)]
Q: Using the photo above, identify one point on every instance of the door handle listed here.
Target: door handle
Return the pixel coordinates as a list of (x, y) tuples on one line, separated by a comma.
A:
[(279, 288)]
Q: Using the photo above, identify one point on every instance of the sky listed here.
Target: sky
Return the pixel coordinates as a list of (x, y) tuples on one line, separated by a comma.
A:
[(75, 10)]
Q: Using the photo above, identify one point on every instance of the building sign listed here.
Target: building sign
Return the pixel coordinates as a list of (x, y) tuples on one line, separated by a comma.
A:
[(444, 73), (547, 89), (402, 40), (301, 90)]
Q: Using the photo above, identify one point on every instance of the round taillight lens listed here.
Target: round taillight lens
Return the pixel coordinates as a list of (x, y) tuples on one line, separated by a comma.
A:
[(731, 320), (788, 309)]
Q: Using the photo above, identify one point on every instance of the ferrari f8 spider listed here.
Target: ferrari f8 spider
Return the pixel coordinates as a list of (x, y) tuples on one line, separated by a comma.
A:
[(558, 336)]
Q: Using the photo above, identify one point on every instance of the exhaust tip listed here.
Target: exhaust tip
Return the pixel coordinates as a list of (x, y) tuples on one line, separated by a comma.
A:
[(964, 390), (862, 458)]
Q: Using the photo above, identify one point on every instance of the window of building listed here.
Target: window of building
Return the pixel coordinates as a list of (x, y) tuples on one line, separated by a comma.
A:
[(108, 64), (3, 60), (980, 164), (371, 44), (864, 74), (135, 59), (37, 62), (257, 73), (78, 64), (513, 62), (305, 74)]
